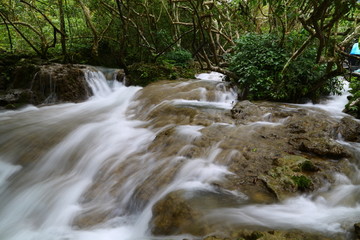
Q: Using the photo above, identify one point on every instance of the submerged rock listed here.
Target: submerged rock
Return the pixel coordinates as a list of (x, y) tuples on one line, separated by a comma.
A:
[(174, 215)]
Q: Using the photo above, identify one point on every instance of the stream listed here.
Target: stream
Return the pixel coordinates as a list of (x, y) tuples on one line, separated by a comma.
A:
[(95, 170)]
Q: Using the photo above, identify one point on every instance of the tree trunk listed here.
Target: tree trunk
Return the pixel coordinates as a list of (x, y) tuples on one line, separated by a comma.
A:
[(86, 11), (63, 29)]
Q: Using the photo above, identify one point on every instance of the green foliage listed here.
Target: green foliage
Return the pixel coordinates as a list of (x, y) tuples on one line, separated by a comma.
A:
[(258, 60), (303, 183), (143, 74), (308, 166), (355, 87), (178, 57), (353, 107)]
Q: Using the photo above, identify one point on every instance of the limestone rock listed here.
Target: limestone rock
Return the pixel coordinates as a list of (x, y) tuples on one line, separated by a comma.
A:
[(174, 215), (323, 147), (288, 176), (350, 129), (60, 83), (15, 97)]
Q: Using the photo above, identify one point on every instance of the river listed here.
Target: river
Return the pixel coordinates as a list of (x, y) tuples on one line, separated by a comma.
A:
[(78, 171)]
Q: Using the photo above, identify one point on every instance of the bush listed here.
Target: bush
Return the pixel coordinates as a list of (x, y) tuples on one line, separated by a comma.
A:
[(258, 60), (353, 107), (142, 74), (179, 57)]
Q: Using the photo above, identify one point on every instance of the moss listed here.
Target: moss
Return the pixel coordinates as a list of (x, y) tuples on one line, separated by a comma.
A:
[(288, 176), (308, 166), (302, 182)]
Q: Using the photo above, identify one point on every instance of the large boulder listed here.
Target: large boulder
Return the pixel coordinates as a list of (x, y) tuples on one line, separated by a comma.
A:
[(23, 76), (15, 98), (60, 83), (350, 129), (47, 84)]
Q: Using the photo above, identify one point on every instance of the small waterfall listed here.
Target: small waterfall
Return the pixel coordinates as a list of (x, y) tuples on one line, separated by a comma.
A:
[(50, 155), (100, 85), (334, 104)]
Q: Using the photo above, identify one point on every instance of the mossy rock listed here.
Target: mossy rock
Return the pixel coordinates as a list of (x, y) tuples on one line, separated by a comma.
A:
[(174, 215), (289, 176)]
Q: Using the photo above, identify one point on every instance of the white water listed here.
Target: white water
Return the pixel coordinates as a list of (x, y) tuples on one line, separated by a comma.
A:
[(333, 104), (42, 200), (75, 141), (39, 201)]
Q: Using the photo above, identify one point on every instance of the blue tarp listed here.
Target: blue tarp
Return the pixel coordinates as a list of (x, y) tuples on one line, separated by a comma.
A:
[(355, 49)]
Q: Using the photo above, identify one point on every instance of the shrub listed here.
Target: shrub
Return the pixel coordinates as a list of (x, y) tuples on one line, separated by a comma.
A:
[(258, 60), (178, 57), (353, 107)]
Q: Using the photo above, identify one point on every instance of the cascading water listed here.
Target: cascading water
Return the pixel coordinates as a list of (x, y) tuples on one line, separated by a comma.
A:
[(95, 170)]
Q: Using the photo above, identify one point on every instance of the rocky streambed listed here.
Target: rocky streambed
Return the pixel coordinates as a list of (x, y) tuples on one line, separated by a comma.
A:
[(183, 160)]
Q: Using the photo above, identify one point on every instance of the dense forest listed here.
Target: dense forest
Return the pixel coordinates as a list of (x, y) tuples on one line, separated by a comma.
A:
[(283, 50)]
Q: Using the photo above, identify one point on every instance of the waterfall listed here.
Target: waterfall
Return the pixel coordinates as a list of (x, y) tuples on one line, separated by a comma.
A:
[(50, 155), (95, 170)]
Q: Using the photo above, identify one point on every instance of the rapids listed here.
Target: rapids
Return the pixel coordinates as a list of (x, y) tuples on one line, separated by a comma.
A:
[(91, 170)]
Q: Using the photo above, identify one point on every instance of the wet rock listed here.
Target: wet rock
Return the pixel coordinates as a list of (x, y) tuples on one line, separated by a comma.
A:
[(349, 129), (280, 235), (52, 83), (357, 230), (247, 111), (15, 98), (120, 75), (23, 76), (174, 215), (247, 234), (216, 237), (288, 176), (60, 83), (90, 219), (323, 147)]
